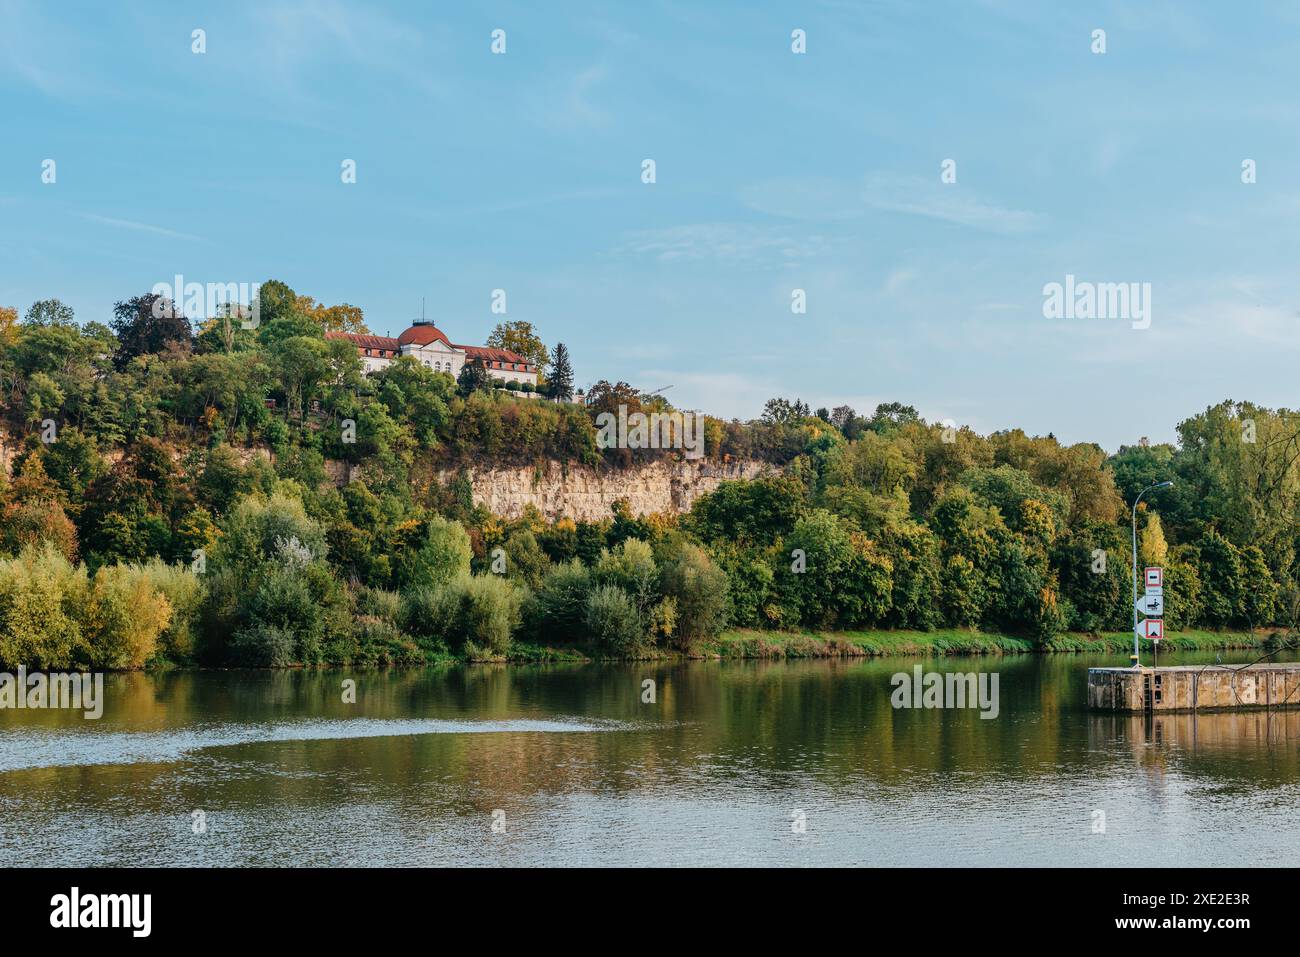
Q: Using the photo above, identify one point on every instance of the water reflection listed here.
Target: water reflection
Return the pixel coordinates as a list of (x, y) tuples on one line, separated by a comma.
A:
[(585, 772)]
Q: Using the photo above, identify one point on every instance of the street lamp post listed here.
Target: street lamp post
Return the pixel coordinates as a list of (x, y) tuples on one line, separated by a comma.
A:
[(1135, 564)]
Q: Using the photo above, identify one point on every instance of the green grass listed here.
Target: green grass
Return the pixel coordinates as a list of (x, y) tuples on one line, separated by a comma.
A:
[(752, 643), (747, 643), (523, 651), (1192, 640)]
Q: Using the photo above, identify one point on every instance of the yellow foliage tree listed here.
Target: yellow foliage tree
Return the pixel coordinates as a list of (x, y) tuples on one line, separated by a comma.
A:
[(1152, 547)]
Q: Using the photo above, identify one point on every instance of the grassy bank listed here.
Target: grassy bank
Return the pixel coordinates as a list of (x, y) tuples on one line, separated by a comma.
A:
[(767, 644), (743, 643)]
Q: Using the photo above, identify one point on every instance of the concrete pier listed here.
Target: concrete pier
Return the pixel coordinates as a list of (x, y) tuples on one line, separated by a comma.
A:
[(1194, 687)]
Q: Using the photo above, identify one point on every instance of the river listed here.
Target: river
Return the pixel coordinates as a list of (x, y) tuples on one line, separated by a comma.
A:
[(732, 763)]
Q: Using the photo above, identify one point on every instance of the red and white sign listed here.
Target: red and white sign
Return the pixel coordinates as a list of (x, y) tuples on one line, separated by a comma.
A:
[(1153, 628), (1155, 577)]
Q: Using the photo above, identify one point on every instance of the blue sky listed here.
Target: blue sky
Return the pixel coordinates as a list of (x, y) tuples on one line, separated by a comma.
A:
[(775, 171)]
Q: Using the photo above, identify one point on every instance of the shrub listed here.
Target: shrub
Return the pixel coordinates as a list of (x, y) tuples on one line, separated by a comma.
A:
[(42, 599), (185, 593), (478, 613), (443, 556), (259, 528), (699, 588), (282, 605), (559, 606), (488, 614), (127, 614), (428, 613), (264, 644), (380, 642), (379, 603), (527, 562), (612, 621), (631, 567)]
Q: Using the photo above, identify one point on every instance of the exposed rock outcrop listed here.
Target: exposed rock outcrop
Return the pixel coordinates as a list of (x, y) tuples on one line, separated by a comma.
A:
[(587, 494)]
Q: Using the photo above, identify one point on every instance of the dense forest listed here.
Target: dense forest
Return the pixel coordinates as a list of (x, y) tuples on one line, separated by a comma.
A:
[(171, 497)]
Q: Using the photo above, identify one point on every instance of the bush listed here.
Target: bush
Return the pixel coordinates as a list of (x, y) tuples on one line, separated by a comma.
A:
[(478, 613), (126, 617), (527, 562), (282, 605), (379, 603), (380, 642), (559, 606), (699, 589), (428, 613), (443, 556), (612, 621), (265, 645), (43, 597), (185, 593), (259, 528), (631, 567)]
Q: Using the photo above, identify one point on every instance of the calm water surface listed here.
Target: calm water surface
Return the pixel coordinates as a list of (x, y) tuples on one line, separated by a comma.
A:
[(577, 770)]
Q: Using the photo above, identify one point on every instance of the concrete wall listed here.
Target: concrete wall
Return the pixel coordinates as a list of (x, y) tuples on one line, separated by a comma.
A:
[(1194, 688)]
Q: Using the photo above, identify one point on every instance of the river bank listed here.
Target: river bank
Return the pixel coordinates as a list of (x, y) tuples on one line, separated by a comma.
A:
[(754, 644)]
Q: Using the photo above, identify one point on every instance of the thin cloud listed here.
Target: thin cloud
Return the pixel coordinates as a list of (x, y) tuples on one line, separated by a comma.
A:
[(949, 202), (827, 200), (140, 227), (723, 242)]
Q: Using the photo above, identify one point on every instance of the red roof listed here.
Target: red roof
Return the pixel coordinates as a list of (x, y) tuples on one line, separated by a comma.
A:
[(421, 334), (488, 354), (367, 341)]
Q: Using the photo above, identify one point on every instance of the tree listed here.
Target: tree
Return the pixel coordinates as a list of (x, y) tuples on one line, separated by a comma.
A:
[(559, 385), (699, 588), (275, 301), (518, 336), (891, 415), (443, 555), (341, 318), (611, 620), (49, 312), (780, 411), (299, 364), (473, 377), (148, 324), (8, 325)]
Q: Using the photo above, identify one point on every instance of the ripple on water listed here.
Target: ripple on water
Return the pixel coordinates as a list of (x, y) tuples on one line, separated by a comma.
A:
[(36, 748)]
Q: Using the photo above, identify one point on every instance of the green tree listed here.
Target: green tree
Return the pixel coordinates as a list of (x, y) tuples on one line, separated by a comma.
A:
[(149, 324), (519, 337), (559, 379), (49, 312)]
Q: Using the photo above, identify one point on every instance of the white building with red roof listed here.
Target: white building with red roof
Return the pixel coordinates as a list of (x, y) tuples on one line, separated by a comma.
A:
[(429, 345)]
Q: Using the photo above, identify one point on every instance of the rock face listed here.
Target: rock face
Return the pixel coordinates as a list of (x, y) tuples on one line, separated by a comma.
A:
[(583, 493)]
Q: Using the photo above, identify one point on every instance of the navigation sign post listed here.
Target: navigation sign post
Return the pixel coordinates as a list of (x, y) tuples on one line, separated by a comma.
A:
[(1151, 605), (1154, 577)]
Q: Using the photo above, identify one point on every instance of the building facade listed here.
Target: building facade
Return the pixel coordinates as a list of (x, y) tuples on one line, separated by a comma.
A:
[(429, 345)]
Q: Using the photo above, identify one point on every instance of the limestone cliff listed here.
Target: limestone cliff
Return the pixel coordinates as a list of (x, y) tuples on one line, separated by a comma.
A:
[(585, 493)]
